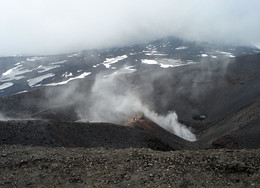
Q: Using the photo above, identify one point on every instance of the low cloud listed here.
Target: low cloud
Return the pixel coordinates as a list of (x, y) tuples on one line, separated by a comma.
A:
[(51, 27)]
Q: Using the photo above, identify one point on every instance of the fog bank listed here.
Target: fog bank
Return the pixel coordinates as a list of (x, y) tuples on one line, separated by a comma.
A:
[(32, 27)]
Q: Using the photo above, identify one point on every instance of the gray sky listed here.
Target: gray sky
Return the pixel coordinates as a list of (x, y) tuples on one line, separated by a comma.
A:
[(58, 26)]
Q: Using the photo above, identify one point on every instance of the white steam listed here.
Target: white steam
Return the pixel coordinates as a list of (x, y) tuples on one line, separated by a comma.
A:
[(115, 100), (171, 124)]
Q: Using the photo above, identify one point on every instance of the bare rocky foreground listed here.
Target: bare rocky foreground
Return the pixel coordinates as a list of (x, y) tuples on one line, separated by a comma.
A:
[(26, 166)]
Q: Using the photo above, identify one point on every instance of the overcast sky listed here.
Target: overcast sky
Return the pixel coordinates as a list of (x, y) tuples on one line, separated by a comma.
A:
[(32, 27)]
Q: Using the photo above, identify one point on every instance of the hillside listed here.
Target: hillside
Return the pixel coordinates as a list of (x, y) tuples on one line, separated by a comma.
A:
[(226, 94), (122, 130)]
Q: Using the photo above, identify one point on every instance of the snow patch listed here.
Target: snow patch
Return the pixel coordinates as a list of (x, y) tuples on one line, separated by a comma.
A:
[(110, 61), (14, 73), (181, 48), (34, 58), (204, 55), (155, 53), (74, 55), (226, 53), (83, 75), (32, 82), (59, 62), (19, 63), (131, 68), (6, 85), (164, 62), (159, 54), (67, 74), (149, 61), (8, 72), (25, 91), (47, 68), (165, 65), (96, 65)]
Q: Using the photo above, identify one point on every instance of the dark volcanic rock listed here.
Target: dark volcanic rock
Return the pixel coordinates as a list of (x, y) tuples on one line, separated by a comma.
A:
[(24, 166)]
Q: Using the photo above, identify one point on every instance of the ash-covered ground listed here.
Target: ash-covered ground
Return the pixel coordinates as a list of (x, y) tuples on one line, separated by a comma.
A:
[(24, 166)]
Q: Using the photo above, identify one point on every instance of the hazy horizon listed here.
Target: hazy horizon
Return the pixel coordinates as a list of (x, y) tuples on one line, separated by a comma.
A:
[(45, 27)]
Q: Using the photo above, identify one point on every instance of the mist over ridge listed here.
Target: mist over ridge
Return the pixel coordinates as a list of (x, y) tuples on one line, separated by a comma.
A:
[(34, 27)]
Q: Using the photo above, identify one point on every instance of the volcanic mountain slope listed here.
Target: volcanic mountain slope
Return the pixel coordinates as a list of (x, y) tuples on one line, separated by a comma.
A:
[(225, 92), (236, 82), (218, 101), (26, 73)]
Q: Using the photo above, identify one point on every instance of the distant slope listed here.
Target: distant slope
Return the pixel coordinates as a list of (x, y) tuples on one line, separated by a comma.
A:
[(26, 73), (227, 93)]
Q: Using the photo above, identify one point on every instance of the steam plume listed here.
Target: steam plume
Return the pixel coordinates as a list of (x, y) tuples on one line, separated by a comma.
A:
[(113, 99)]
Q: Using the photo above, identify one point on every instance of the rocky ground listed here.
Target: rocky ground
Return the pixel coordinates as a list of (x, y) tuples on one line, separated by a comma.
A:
[(32, 166)]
